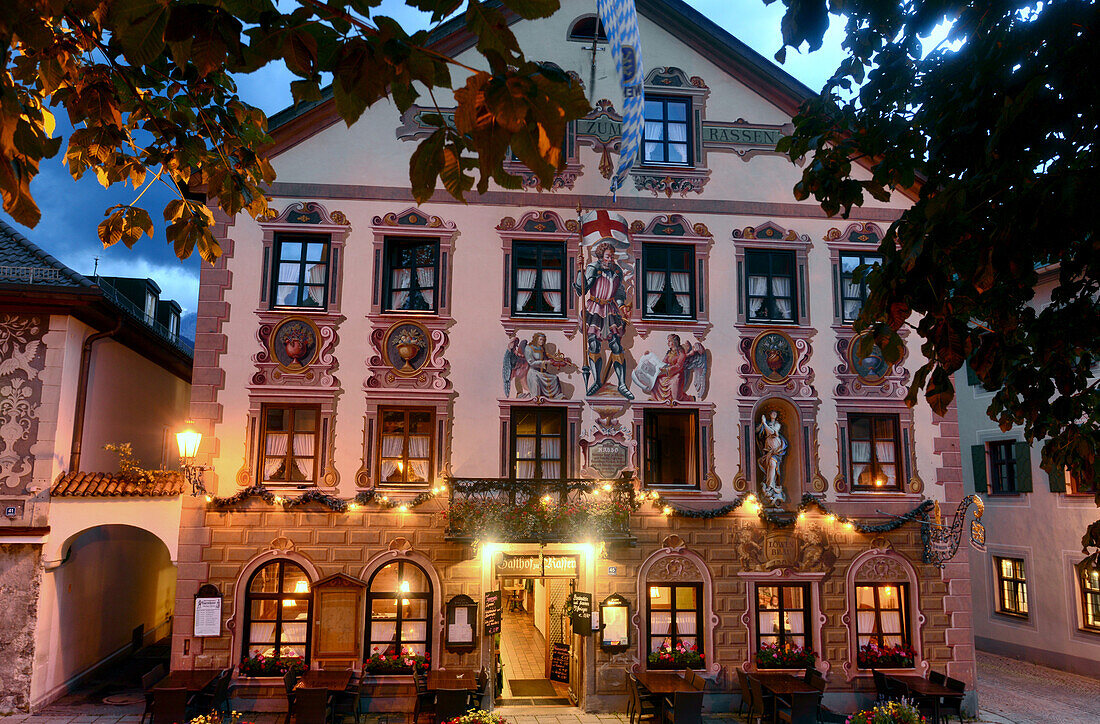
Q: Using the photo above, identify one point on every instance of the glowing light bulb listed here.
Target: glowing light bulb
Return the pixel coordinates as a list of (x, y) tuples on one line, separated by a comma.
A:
[(402, 509), (546, 499), (654, 592), (667, 510), (802, 515), (607, 487)]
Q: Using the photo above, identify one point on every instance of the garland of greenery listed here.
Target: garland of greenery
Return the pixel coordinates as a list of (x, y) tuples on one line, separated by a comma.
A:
[(316, 496)]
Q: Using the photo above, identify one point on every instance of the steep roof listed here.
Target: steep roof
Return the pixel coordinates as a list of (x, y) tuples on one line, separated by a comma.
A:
[(114, 485), (23, 262)]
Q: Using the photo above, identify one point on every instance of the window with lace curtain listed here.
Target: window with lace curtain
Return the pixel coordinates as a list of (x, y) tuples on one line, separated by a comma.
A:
[(782, 613), (399, 611), (770, 285), (289, 444), (277, 608), (674, 615), (411, 275), (538, 437), (882, 614), (538, 279), (406, 446), (853, 294), (668, 281), (874, 451), (1089, 578), (301, 271), (666, 137), (1011, 586)]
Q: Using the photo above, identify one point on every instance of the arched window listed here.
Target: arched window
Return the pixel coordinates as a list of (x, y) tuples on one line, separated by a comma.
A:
[(584, 28), (278, 611), (400, 602)]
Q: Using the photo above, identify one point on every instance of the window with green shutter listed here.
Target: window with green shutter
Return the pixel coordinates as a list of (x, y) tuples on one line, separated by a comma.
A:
[(977, 455)]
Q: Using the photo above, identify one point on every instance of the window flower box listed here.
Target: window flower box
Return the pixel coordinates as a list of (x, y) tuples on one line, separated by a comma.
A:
[(680, 656), (873, 656), (773, 656), (405, 663), (276, 666)]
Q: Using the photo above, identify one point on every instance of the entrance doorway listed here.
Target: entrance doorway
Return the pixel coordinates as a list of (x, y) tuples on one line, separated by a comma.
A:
[(534, 625)]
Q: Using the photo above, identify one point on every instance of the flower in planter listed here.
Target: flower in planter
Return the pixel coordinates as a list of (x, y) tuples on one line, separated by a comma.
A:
[(260, 665), (892, 712), (682, 655), (216, 717), (405, 661), (873, 656), (478, 716), (787, 656)]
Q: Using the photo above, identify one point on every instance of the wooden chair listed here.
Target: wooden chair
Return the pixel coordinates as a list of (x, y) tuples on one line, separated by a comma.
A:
[(347, 702), (698, 682), (425, 698), (215, 697), (952, 705), (477, 698), (289, 680), (803, 708), (450, 703), (148, 681), (312, 706), (685, 707), (937, 678), (170, 706), (761, 706), (746, 691), (640, 705)]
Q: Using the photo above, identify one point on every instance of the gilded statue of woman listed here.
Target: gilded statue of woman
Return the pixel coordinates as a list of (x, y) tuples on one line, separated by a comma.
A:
[(773, 448)]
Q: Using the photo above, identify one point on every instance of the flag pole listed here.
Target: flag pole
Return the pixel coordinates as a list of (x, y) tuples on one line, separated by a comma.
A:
[(586, 370)]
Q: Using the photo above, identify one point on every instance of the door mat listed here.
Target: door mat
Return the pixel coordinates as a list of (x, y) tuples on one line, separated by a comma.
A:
[(531, 687), (124, 699), (542, 701)]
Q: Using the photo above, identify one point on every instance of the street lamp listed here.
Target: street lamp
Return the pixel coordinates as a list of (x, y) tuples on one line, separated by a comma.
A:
[(188, 441)]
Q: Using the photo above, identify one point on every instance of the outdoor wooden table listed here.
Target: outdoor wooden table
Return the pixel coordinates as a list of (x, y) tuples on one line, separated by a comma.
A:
[(452, 679), (782, 684), (331, 680), (663, 682), (194, 680), (922, 688)]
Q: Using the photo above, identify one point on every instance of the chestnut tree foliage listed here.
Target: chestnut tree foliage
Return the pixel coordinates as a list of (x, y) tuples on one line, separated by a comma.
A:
[(996, 130), (148, 88)]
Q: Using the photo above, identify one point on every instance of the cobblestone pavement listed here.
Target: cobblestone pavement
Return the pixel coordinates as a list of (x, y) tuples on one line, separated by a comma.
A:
[(1011, 692)]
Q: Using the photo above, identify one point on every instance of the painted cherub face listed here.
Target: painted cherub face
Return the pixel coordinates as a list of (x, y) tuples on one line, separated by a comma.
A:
[(538, 339)]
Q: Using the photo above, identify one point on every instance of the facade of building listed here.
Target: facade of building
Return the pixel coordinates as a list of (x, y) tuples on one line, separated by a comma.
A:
[(1033, 599), (403, 410), (84, 363)]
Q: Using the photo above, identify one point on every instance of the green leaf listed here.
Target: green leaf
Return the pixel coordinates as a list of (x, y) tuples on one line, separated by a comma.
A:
[(139, 27)]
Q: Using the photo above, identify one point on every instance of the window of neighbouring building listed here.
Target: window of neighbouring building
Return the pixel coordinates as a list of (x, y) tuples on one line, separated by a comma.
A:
[(853, 294), (406, 446), (399, 601), (411, 275), (668, 282), (783, 615), (301, 271), (666, 136), (674, 619), (1001, 467), (290, 442), (882, 615), (278, 606), (770, 285), (1011, 586), (538, 278), (874, 451), (1089, 579), (538, 442), (671, 447)]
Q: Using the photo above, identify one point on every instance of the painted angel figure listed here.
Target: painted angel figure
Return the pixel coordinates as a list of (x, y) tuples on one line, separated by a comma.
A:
[(538, 367), (515, 368), (683, 364), (773, 448)]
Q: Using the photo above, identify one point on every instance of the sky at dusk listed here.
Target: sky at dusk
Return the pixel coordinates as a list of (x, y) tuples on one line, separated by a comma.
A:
[(71, 210)]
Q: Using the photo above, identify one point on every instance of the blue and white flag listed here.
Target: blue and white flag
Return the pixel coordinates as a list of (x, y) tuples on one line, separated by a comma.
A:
[(621, 23)]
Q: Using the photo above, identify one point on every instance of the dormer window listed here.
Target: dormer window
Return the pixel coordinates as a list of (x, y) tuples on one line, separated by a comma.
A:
[(584, 29), (150, 306)]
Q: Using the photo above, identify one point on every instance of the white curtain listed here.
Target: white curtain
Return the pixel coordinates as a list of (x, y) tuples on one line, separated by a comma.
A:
[(885, 452), (655, 285), (425, 278), (677, 132), (685, 623), (288, 280), (276, 443), (525, 286), (891, 622), (294, 633), (551, 458), (551, 288), (681, 285), (414, 631), (781, 287), (303, 445), (262, 633), (794, 622), (659, 624), (316, 291), (852, 303), (525, 453), (758, 287), (419, 446), (399, 282), (865, 622), (861, 458), (654, 131), (393, 446), (288, 273)]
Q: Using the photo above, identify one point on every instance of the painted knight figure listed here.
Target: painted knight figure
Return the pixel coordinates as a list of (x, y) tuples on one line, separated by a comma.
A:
[(773, 448)]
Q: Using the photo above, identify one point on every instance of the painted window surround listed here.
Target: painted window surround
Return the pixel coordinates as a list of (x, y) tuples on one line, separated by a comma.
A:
[(785, 577), (912, 487), (539, 226), (571, 453), (438, 403), (412, 223), (325, 400), (709, 483), (305, 218), (771, 237), (667, 179)]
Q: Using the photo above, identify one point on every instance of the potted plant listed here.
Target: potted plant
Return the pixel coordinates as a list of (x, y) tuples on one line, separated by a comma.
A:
[(787, 656), (892, 712), (681, 656), (260, 665), (405, 662), (478, 716), (216, 717), (873, 656)]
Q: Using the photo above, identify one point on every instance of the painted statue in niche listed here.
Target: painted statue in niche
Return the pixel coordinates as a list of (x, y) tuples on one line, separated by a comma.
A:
[(773, 448), (534, 368), (604, 301), (667, 379)]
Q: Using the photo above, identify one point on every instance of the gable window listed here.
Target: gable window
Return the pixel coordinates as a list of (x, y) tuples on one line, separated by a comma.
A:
[(399, 601), (406, 448), (770, 285), (671, 447), (538, 279), (538, 437), (1002, 467), (289, 444), (665, 136), (277, 608), (853, 294), (1090, 597), (301, 271), (669, 284), (587, 28), (882, 614), (874, 451), (782, 613), (1011, 586), (674, 618), (411, 275)]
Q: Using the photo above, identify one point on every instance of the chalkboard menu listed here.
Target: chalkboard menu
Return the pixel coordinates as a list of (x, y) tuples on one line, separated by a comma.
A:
[(581, 617), (492, 612), (559, 663)]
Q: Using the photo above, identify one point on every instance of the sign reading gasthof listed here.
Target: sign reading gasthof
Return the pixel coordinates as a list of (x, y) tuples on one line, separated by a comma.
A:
[(512, 566)]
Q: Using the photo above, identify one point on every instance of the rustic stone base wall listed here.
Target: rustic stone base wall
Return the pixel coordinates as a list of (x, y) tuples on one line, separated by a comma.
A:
[(20, 579)]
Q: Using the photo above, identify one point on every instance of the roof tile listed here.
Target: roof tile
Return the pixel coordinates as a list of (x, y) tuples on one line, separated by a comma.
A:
[(112, 485)]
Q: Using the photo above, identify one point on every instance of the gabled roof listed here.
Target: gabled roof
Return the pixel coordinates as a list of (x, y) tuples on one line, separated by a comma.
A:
[(113, 485), (292, 125), (23, 262)]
